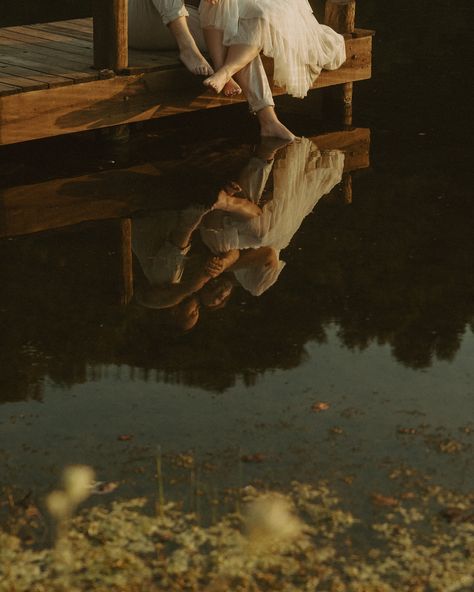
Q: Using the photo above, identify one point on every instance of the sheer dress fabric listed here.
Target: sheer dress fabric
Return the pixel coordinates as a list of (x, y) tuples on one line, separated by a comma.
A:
[(285, 30), (301, 177)]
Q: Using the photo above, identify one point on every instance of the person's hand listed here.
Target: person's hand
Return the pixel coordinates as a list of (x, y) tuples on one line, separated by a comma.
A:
[(213, 1), (215, 266)]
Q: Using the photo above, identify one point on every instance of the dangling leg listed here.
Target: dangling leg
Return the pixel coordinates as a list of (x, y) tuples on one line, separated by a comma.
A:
[(218, 52), (189, 53), (238, 56), (271, 126), (256, 88)]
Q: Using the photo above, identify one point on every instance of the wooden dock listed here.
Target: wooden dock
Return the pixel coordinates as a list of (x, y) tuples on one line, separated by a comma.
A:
[(54, 79)]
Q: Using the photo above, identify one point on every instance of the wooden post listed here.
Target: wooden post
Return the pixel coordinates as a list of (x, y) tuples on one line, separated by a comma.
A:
[(126, 261), (111, 34), (340, 16)]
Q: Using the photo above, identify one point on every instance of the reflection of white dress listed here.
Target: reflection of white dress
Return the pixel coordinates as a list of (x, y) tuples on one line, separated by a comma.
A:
[(300, 179), (285, 30)]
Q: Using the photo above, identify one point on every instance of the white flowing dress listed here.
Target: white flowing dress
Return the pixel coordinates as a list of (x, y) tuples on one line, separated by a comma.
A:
[(285, 30), (300, 178)]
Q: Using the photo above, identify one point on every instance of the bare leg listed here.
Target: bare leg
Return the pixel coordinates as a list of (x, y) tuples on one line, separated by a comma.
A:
[(238, 56), (189, 220), (239, 206), (271, 126), (189, 53), (218, 53)]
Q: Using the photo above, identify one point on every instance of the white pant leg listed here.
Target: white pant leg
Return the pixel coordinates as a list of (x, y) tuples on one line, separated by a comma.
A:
[(252, 78), (148, 20)]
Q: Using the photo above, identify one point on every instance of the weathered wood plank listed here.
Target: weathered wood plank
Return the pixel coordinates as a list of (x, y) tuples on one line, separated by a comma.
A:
[(31, 74), (39, 32), (74, 32), (16, 48), (27, 60), (23, 83), (57, 46), (118, 193), (8, 89)]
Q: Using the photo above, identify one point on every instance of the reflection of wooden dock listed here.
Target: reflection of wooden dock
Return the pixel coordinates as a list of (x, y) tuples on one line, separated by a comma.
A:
[(68, 76), (115, 195), (119, 193)]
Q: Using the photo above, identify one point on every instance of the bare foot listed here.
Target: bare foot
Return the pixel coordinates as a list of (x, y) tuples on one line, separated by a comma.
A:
[(270, 145), (195, 61), (275, 129), (236, 205), (218, 80), (231, 88)]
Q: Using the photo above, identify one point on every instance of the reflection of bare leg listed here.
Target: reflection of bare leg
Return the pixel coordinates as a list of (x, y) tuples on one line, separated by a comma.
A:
[(238, 56), (271, 126), (236, 205), (189, 220), (269, 146), (189, 53)]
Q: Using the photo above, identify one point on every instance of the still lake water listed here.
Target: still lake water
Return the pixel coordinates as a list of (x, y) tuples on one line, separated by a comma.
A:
[(372, 314)]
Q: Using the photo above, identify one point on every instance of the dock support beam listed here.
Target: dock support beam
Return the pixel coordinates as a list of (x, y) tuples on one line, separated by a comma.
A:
[(111, 34), (340, 16)]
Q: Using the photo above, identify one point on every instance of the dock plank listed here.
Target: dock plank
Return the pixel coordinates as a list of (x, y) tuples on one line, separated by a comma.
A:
[(57, 46), (8, 89), (30, 61), (74, 32), (31, 74), (41, 32), (23, 83)]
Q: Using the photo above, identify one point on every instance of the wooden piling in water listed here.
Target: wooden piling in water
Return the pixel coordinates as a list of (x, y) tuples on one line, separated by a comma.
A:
[(340, 16), (126, 260), (110, 34)]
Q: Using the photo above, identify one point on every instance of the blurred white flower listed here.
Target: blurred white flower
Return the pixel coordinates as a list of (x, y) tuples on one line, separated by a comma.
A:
[(77, 481), (270, 518), (59, 505)]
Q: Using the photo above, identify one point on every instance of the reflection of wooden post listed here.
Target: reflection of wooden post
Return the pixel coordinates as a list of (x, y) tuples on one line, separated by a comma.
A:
[(126, 268), (340, 16), (111, 34), (347, 188)]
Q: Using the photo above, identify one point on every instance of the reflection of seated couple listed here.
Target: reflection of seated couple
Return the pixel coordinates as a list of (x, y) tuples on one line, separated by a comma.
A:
[(243, 231), (234, 33)]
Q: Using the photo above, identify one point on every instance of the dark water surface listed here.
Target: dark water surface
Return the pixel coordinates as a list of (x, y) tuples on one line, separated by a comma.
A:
[(372, 314)]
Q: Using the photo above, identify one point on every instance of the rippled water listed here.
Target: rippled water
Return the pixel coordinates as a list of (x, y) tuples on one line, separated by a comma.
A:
[(372, 313)]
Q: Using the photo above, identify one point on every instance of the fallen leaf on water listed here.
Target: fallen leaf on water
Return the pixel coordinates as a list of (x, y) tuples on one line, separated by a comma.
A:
[(450, 446), (125, 437), (336, 430), (457, 515), (384, 500), (102, 487), (319, 406), (410, 431), (253, 458)]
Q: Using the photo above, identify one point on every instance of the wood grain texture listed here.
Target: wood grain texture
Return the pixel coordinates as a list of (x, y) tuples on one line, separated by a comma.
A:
[(340, 15)]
